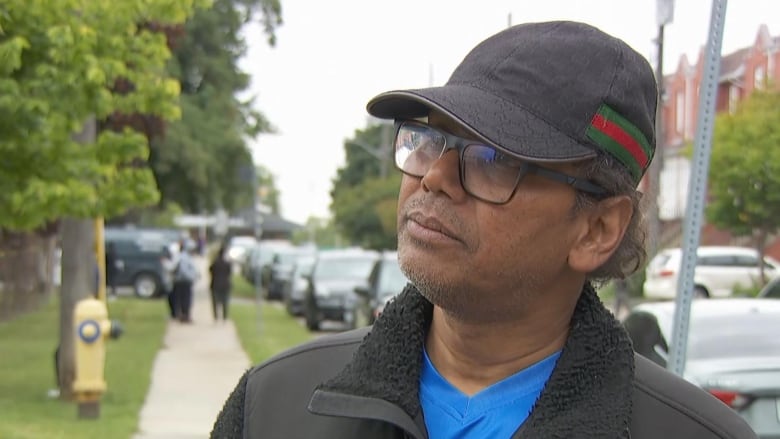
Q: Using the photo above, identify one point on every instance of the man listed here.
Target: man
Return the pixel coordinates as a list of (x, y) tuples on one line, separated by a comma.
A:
[(518, 192), (184, 277)]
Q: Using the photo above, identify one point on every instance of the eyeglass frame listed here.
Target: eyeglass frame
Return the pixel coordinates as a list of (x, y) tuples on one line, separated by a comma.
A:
[(460, 144)]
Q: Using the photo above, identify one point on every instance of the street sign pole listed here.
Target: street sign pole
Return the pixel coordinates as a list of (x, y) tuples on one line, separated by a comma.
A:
[(697, 187), (257, 225)]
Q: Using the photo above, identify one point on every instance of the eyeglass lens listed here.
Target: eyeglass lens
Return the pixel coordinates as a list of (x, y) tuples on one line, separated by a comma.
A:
[(485, 172)]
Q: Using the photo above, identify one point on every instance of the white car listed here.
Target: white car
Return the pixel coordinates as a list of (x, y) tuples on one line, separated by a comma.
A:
[(238, 248), (719, 271), (733, 352)]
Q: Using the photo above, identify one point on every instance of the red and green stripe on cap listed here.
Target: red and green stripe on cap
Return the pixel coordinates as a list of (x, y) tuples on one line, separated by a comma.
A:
[(619, 137)]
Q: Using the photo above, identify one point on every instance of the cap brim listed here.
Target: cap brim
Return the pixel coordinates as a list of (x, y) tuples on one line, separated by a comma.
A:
[(490, 118)]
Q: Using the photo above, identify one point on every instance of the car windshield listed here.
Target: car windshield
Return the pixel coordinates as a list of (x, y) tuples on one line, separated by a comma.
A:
[(339, 268), (749, 335), (243, 241), (391, 280), (304, 266), (289, 257)]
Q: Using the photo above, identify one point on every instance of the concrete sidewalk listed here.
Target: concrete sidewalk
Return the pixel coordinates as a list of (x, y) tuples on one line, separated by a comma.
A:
[(193, 374)]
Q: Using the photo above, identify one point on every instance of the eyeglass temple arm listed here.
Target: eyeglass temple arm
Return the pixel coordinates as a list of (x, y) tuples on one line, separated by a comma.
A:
[(574, 182)]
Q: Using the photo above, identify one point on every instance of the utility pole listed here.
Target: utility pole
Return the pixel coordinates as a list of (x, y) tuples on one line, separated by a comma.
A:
[(664, 15)]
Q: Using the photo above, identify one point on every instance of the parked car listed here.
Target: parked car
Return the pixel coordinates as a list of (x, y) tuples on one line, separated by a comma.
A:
[(719, 271), (771, 291), (281, 267), (294, 290), (260, 256), (139, 259), (385, 282), (733, 352), (238, 248), (331, 291)]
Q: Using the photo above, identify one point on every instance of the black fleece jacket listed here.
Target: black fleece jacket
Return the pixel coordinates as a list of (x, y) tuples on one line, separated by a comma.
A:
[(364, 384)]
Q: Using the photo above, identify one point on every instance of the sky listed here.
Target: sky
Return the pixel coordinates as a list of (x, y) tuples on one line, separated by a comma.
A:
[(332, 56)]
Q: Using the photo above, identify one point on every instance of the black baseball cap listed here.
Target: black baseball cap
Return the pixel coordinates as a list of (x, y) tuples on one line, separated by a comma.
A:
[(549, 92)]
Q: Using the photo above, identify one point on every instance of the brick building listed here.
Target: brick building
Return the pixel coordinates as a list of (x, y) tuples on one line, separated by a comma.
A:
[(741, 72)]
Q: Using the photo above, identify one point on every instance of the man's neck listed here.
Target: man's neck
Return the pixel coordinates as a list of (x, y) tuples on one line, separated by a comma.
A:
[(472, 356)]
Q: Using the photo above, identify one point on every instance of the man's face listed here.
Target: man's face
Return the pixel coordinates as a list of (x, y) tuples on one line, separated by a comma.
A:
[(478, 260)]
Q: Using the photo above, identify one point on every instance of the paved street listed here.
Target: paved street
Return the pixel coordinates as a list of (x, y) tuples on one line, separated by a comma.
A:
[(193, 373)]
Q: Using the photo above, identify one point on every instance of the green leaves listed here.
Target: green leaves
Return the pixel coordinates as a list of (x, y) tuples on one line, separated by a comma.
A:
[(198, 164), (11, 54), (365, 192), (745, 168), (61, 64)]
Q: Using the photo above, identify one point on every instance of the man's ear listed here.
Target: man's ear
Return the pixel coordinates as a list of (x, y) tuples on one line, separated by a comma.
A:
[(606, 223)]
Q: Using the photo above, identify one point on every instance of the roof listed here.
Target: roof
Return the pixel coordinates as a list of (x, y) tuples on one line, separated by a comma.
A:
[(732, 66), (275, 223)]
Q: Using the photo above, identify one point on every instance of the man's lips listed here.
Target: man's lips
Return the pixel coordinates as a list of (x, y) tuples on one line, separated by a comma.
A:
[(433, 224)]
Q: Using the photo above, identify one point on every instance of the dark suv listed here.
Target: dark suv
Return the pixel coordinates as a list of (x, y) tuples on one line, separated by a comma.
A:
[(331, 291), (281, 269), (139, 258)]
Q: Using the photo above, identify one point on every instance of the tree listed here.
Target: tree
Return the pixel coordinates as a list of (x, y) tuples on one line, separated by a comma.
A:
[(268, 193), (745, 170), (364, 201), (319, 231), (59, 63), (198, 163), (65, 67)]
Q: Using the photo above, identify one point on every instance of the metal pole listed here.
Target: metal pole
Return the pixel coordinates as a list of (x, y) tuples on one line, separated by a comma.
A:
[(697, 188), (257, 226), (100, 256), (654, 190)]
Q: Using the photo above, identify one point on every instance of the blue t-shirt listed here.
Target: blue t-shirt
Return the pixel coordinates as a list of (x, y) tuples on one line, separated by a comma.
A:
[(495, 412)]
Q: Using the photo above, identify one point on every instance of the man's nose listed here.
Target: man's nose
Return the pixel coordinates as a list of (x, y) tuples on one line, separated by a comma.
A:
[(444, 176)]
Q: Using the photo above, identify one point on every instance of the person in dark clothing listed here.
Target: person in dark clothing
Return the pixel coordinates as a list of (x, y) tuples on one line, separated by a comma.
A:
[(111, 268), (221, 271), (518, 195), (169, 267)]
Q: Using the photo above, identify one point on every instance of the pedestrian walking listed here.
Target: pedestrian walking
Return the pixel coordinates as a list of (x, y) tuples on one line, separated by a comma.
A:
[(518, 194), (112, 270), (185, 276), (220, 270), (168, 262)]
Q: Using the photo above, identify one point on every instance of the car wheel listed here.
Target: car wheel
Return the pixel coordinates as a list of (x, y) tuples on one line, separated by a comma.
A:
[(699, 292), (146, 285)]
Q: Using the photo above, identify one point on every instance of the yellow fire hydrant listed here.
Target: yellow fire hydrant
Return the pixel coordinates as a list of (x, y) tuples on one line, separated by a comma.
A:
[(92, 328)]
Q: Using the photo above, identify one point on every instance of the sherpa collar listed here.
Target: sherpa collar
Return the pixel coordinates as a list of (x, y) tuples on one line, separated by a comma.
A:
[(587, 396)]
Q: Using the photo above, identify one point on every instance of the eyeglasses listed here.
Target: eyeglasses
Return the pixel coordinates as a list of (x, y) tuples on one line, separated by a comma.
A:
[(485, 172)]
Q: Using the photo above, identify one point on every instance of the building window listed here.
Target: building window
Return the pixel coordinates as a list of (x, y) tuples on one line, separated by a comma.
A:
[(759, 77)]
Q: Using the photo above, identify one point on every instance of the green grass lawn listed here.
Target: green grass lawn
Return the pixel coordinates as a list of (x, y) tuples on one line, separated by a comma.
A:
[(27, 347), (271, 333), (242, 288)]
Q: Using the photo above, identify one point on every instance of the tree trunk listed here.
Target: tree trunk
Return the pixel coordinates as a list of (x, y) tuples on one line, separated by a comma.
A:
[(26, 273), (78, 282)]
